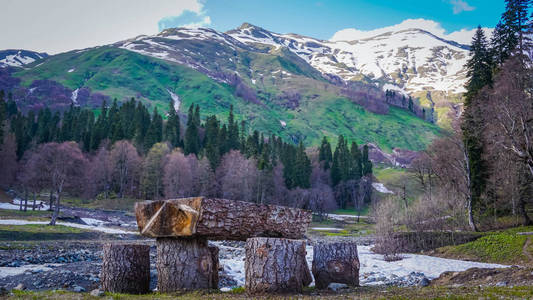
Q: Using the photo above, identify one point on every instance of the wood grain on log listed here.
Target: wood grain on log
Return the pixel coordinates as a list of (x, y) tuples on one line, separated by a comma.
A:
[(219, 219), (335, 262), (275, 265), (126, 268), (186, 264)]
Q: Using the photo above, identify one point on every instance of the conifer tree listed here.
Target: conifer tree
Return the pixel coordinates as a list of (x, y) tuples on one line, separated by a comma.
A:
[(212, 149), (192, 144), (480, 75), (155, 131), (172, 128), (357, 168), (233, 131), (324, 154)]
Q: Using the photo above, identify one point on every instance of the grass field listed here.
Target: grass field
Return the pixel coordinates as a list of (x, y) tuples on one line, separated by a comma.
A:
[(503, 247), (455, 293), (38, 232)]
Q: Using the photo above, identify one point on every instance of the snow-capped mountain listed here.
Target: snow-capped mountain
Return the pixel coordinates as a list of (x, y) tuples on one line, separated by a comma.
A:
[(412, 59), (397, 57), (19, 58)]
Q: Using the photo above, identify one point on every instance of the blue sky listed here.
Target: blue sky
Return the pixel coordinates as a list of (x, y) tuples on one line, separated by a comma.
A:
[(321, 19), (40, 25)]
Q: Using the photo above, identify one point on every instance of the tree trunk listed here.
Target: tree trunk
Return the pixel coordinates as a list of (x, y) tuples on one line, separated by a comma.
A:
[(34, 201), (471, 222), (335, 262), (275, 265), (219, 219), (126, 268), (51, 200), (185, 264), (26, 200), (55, 214)]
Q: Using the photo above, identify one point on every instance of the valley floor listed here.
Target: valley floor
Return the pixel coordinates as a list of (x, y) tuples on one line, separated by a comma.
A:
[(63, 262)]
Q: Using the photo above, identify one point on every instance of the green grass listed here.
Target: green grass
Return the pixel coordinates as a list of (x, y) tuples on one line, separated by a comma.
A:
[(396, 178), (125, 204), (359, 293), (40, 232), (503, 247), (362, 228), (123, 74), (352, 211)]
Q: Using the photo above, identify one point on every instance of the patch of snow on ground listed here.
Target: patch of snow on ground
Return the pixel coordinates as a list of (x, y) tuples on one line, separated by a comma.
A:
[(93, 222), (344, 217), (381, 188), (71, 70), (12, 271), (80, 226), (374, 269), (15, 205), (326, 228)]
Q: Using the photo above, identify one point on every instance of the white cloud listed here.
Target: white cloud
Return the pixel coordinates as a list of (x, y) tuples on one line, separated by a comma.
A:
[(62, 25), (463, 36), (205, 22), (459, 6)]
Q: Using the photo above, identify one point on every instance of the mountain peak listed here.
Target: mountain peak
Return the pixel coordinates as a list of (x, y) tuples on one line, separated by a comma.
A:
[(247, 25)]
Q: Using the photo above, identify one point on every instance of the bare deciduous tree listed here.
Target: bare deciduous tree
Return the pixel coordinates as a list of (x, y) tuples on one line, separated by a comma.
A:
[(126, 165), (178, 179), (237, 176), (62, 166)]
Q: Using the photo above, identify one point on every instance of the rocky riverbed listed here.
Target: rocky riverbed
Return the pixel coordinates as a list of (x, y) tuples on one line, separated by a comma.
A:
[(75, 264)]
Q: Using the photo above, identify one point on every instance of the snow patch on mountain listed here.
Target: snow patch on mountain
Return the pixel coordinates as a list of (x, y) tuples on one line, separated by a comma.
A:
[(19, 58), (413, 56), (74, 96), (175, 99)]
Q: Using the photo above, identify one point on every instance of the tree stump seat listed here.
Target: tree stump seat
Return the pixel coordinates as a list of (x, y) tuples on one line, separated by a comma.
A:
[(126, 268), (276, 265), (335, 262)]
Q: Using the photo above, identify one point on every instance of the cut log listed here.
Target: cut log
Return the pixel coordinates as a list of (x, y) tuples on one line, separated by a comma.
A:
[(219, 219), (186, 264), (335, 262), (275, 265), (126, 268)]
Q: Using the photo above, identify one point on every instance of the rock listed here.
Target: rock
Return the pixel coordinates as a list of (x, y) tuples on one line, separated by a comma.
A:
[(335, 286), (78, 289), (97, 293), (20, 287), (424, 282)]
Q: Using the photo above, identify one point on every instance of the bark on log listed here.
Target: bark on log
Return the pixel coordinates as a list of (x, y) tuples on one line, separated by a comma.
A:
[(126, 268), (185, 264), (335, 262), (219, 219), (275, 265)]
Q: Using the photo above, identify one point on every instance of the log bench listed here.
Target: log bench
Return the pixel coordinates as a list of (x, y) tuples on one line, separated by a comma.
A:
[(183, 226), (219, 219)]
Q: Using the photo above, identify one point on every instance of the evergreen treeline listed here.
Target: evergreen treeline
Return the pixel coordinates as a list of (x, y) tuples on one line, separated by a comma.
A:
[(165, 150)]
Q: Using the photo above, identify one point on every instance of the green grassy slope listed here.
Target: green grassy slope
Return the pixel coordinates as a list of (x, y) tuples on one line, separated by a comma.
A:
[(321, 111)]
